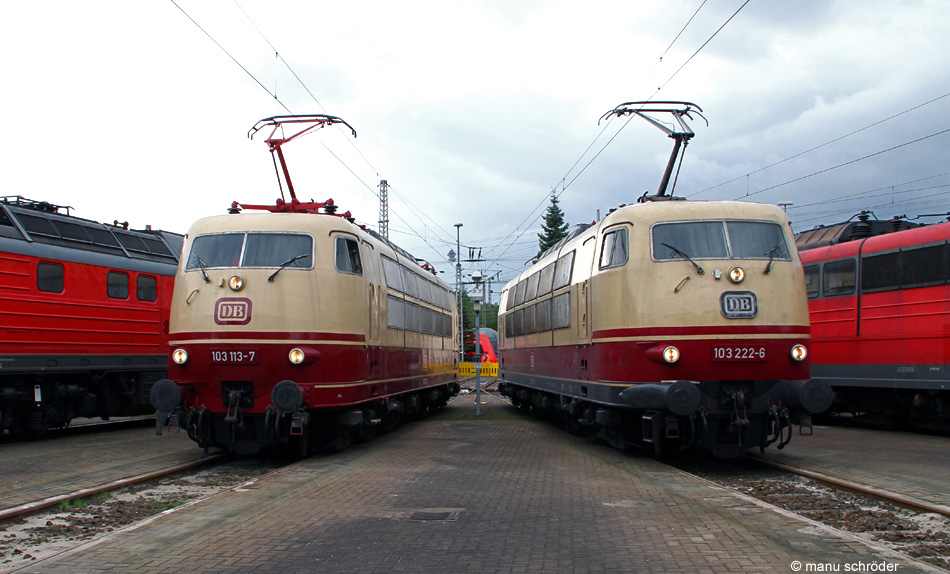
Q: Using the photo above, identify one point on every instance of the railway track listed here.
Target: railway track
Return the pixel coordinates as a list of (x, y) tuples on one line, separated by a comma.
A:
[(83, 493), (92, 426), (910, 528), (48, 527)]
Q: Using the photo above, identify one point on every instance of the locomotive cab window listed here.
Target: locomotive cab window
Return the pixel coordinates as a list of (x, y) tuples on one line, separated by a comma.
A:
[(613, 253), (813, 280), (348, 256), (117, 285), (222, 250), (756, 240), (695, 239), (50, 277), (287, 250), (719, 240), (146, 288), (838, 278)]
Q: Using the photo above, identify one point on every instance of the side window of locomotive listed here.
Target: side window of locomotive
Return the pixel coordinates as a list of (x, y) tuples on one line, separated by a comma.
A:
[(697, 239), (542, 315), (117, 285), (393, 274), (546, 280), (531, 291), (348, 256), (614, 250), (880, 272), (924, 266), (222, 250), (562, 272), (757, 240), (813, 280), (561, 311), (838, 278), (50, 277), (146, 288), (519, 293), (395, 313)]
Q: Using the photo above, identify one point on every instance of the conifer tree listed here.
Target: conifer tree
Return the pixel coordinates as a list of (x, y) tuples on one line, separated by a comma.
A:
[(554, 227)]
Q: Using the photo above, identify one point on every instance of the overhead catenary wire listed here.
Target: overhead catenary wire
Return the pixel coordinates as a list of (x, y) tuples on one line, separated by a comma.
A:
[(844, 164), (566, 186), (371, 165), (286, 108), (823, 144), (231, 56), (683, 29), (903, 205)]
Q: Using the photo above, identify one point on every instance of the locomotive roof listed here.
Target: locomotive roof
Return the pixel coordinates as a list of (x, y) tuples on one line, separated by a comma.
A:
[(38, 228), (652, 212), (843, 232), (306, 223)]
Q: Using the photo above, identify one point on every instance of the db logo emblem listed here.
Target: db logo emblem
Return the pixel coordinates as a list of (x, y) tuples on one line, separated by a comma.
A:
[(232, 311)]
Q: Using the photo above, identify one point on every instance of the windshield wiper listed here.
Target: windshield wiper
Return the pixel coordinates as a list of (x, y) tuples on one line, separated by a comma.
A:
[(768, 268), (203, 266), (293, 259), (680, 252)]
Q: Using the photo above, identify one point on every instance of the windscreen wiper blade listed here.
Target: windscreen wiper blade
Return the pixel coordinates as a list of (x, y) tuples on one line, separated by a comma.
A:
[(293, 259), (680, 252), (768, 268), (204, 268)]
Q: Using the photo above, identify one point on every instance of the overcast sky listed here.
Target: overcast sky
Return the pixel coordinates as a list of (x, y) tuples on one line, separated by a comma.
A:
[(473, 111)]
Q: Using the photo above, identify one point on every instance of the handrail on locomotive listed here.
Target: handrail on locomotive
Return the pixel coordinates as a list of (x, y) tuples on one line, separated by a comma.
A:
[(678, 110), (309, 122)]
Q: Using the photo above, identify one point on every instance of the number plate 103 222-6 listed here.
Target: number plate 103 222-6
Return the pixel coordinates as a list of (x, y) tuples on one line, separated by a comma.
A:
[(743, 353)]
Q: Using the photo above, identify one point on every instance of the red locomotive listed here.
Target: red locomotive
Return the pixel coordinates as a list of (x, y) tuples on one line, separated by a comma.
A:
[(878, 294), (297, 328), (83, 316)]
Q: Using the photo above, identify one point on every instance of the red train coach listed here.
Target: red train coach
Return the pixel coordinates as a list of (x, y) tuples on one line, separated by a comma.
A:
[(83, 316), (878, 300)]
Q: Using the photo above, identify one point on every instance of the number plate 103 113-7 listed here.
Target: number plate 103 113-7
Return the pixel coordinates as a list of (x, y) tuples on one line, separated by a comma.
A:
[(741, 353), (234, 357)]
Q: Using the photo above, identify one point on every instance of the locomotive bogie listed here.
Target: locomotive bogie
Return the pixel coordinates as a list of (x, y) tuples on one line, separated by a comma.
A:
[(684, 319), (335, 346)]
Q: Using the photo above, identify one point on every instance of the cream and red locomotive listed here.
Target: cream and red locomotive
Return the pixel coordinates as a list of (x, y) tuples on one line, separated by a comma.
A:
[(297, 327), (669, 324)]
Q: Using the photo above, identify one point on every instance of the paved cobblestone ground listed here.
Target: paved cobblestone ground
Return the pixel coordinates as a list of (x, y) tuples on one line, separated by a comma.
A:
[(30, 470), (515, 495), (907, 463)]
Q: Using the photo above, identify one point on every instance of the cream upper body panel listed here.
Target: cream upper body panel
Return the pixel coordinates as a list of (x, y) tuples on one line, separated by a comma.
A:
[(316, 297), (646, 291), (630, 295)]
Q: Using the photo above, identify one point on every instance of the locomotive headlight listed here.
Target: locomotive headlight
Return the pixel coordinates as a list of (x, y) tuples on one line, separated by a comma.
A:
[(799, 353), (296, 356), (180, 356), (737, 274), (236, 283), (671, 354)]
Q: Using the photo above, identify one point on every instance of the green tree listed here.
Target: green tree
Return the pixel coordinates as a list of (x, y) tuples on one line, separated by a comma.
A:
[(554, 228), (487, 318)]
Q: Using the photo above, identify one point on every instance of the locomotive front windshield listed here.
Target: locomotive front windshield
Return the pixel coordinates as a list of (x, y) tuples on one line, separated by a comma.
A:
[(719, 240), (251, 250)]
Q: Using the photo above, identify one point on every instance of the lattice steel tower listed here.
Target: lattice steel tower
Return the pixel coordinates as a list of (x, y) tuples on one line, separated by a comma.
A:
[(384, 208)]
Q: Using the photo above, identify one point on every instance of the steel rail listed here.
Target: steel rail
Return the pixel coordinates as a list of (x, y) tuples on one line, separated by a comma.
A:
[(44, 503), (865, 489)]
